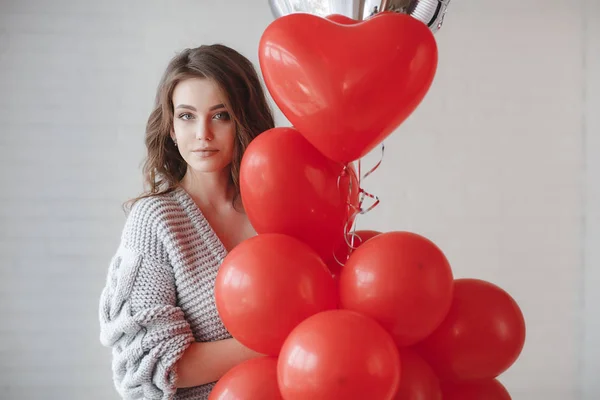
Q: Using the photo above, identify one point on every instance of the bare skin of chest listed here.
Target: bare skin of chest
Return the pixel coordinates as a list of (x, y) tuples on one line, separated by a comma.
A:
[(231, 226)]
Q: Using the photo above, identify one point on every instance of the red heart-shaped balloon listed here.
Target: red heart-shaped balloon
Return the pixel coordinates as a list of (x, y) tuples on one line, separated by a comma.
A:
[(341, 19), (346, 87)]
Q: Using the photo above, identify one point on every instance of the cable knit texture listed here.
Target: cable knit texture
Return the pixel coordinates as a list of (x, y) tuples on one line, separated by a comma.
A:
[(159, 296)]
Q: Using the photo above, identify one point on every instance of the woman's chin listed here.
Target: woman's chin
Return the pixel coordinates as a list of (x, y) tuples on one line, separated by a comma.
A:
[(208, 166)]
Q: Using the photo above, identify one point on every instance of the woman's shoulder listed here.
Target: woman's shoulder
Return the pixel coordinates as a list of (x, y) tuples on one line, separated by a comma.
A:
[(148, 210), (154, 207), (150, 220)]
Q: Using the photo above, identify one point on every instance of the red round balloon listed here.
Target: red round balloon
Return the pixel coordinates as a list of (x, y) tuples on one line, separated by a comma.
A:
[(287, 186), (255, 379), (342, 252), (400, 279), (338, 355), (418, 381), (481, 337), (347, 93), (488, 389), (267, 285)]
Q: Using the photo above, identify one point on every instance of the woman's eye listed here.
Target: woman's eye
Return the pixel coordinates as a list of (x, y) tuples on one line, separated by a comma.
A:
[(186, 116), (224, 115)]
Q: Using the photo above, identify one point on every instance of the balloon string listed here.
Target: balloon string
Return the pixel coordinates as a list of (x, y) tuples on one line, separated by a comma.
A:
[(357, 210)]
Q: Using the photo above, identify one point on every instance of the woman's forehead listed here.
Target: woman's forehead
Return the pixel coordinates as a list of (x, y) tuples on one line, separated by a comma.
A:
[(200, 93)]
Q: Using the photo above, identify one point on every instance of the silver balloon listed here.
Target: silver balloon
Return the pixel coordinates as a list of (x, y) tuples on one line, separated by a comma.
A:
[(430, 12)]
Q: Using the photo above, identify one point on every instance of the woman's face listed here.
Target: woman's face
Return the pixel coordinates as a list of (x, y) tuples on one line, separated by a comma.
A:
[(202, 127)]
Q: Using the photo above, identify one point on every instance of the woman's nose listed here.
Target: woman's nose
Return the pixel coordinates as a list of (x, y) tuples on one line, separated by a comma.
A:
[(203, 132)]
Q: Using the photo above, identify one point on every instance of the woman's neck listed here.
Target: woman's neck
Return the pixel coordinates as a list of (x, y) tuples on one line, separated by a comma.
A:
[(209, 190)]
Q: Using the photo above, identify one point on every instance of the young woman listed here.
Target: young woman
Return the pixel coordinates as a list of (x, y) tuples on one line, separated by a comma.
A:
[(157, 310)]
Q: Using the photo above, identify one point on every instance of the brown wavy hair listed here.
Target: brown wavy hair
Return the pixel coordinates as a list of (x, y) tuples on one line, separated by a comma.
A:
[(245, 100)]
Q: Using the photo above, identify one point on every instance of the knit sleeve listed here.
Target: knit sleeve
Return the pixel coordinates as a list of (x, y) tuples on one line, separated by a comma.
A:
[(140, 322)]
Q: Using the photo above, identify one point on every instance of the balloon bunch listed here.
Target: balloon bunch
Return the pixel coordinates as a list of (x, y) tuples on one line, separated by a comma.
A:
[(340, 313)]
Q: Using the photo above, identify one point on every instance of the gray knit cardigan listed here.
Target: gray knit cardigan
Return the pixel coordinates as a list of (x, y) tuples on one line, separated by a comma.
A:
[(159, 296)]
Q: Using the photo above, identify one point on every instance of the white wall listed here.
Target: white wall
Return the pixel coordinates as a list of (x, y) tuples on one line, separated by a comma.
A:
[(490, 167), (591, 180)]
